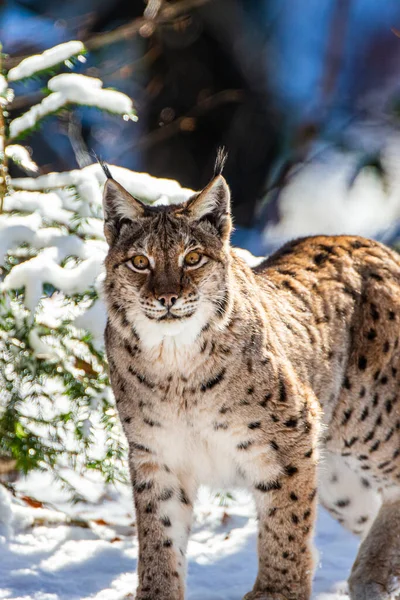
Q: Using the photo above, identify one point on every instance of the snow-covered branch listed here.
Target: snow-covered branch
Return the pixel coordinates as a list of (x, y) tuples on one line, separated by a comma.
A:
[(70, 88), (20, 155), (32, 65)]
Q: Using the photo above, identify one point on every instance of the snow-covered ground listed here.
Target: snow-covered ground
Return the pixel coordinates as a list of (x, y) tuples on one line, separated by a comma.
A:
[(44, 557)]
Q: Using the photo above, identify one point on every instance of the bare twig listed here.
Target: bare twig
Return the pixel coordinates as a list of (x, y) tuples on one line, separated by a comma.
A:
[(335, 49), (74, 130), (127, 69), (152, 9), (7, 465), (143, 25), (69, 521), (20, 102), (187, 122)]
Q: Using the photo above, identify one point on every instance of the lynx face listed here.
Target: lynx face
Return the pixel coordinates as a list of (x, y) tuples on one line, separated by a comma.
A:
[(168, 266)]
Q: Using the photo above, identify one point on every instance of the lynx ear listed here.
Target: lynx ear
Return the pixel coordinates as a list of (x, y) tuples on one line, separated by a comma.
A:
[(118, 204), (213, 204)]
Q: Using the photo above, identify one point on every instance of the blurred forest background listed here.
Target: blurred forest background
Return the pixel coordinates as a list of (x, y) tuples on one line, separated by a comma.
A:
[(283, 84)]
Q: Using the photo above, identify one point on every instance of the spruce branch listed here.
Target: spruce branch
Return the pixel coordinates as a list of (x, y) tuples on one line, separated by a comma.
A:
[(51, 59)]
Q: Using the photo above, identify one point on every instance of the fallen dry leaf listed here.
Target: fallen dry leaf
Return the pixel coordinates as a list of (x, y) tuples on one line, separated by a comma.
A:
[(101, 522), (86, 367), (225, 518), (32, 502)]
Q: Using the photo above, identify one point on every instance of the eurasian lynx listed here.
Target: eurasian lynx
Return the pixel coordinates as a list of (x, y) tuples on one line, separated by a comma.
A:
[(228, 375)]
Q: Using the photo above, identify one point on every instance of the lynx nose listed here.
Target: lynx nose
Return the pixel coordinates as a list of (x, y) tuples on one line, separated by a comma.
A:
[(167, 300)]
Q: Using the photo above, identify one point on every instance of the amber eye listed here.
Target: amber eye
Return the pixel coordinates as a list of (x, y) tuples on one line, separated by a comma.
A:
[(140, 262), (192, 258)]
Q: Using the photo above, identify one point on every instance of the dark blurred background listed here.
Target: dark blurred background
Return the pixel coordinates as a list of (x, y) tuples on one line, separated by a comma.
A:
[(277, 82)]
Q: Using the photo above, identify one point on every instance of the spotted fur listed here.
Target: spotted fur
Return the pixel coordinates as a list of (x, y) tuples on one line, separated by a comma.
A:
[(243, 377)]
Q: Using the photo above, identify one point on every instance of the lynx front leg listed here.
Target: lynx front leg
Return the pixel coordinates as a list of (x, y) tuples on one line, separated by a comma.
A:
[(164, 505), (286, 510)]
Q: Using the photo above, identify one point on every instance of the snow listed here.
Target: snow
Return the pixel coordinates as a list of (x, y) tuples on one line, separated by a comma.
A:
[(6, 93), (321, 199), (248, 257), (6, 513), (3, 85), (15, 231), (70, 88), (45, 269), (94, 320), (46, 557), (21, 156), (39, 347), (28, 120), (47, 205), (49, 58), (140, 185), (81, 89)]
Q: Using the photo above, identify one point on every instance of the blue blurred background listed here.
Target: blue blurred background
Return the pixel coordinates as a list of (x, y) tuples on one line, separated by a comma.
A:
[(305, 95)]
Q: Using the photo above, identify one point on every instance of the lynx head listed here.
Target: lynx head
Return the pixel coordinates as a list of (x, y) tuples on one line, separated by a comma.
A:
[(168, 267)]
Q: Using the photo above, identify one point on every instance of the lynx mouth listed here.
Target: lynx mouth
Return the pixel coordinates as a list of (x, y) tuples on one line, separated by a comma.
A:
[(169, 316)]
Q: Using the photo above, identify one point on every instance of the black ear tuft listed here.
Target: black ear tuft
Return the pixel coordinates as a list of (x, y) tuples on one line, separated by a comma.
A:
[(103, 165), (106, 170), (220, 161)]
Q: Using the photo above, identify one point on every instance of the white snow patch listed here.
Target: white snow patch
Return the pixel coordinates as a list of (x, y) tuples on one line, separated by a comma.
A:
[(94, 319), (17, 230), (3, 84), (44, 268), (49, 58), (141, 185), (61, 562), (20, 155), (48, 205), (320, 200), (70, 88), (81, 89), (6, 515), (6, 96), (39, 347), (28, 120), (248, 257)]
